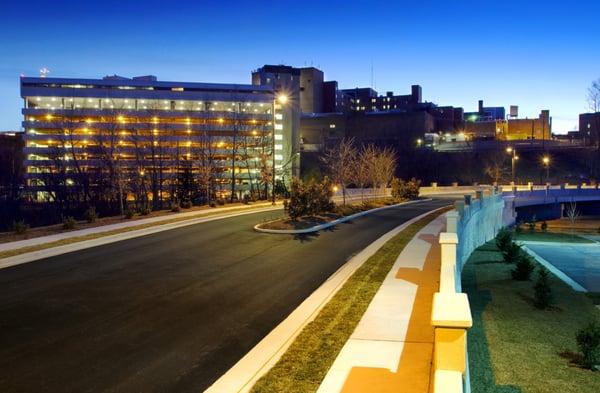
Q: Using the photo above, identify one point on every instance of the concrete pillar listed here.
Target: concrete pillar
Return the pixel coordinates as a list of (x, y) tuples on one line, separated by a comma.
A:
[(455, 184), (467, 200), (434, 185), (479, 194), (448, 242), (452, 221)]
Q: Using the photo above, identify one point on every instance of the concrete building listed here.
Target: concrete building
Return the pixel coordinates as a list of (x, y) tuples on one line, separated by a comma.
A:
[(11, 164), (151, 129), (589, 128), (511, 129), (486, 113)]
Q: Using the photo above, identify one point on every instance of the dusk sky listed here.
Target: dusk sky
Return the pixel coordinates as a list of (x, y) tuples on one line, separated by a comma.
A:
[(535, 54)]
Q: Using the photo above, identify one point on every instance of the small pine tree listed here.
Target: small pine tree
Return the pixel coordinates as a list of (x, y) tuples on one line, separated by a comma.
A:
[(503, 239), (588, 342), (511, 253), (543, 290), (524, 267)]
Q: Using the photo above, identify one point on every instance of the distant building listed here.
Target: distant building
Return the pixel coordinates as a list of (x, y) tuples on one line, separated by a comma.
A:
[(486, 113), (589, 128), (511, 129), (11, 164)]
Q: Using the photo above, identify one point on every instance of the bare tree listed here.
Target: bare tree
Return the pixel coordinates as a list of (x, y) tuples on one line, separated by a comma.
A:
[(593, 96), (340, 161), (383, 167), (572, 214), (495, 166)]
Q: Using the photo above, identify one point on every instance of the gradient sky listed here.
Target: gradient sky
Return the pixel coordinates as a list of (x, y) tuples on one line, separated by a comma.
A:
[(535, 54)]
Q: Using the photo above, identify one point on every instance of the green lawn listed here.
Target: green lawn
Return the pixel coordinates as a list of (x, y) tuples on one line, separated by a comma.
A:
[(514, 347), (550, 237), (307, 360)]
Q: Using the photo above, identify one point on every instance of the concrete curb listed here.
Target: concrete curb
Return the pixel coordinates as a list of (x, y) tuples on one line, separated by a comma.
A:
[(58, 250), (554, 270), (334, 222), (34, 241), (243, 375)]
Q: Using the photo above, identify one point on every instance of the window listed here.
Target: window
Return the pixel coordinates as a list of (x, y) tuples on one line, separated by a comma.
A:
[(279, 126), (332, 126)]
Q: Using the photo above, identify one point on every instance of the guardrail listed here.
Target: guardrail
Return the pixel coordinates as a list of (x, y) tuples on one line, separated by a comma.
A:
[(471, 224)]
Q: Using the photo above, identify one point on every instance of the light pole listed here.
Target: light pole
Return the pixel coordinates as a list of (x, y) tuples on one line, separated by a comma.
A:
[(546, 162), (514, 157), (282, 99)]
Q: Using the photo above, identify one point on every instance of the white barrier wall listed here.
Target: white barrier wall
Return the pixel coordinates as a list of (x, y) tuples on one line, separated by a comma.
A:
[(473, 223)]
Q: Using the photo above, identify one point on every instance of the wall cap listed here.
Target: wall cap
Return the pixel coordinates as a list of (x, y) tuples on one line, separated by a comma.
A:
[(448, 238), (451, 310), (447, 381)]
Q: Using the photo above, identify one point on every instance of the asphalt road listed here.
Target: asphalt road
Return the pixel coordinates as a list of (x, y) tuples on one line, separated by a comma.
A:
[(168, 312)]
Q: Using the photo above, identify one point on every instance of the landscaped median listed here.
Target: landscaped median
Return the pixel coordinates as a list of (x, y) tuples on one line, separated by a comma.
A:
[(322, 221), (304, 365)]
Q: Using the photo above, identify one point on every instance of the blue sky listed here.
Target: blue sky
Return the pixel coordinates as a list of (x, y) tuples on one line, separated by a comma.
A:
[(535, 54)]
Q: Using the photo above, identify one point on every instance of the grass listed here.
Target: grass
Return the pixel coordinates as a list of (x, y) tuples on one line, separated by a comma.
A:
[(91, 236), (306, 362), (550, 237), (514, 347)]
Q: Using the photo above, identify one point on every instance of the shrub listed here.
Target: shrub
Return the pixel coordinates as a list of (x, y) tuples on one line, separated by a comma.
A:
[(145, 211), (129, 213), (90, 214), (524, 267), (220, 201), (542, 290), (512, 253), (311, 198), (69, 223), (186, 204), (246, 199), (588, 342), (212, 204), (175, 208), (503, 239), (19, 227), (405, 190), (544, 226)]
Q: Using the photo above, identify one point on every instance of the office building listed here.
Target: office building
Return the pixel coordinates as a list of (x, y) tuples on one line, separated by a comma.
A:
[(589, 128)]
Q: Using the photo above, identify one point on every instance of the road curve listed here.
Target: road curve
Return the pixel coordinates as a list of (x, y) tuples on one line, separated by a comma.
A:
[(171, 311)]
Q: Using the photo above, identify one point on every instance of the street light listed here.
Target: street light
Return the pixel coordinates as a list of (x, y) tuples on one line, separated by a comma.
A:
[(282, 99), (546, 162), (513, 159), (419, 142)]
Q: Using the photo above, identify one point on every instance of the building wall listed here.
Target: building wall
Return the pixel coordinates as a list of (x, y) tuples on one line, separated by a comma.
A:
[(540, 128), (589, 128), (397, 129), (311, 90)]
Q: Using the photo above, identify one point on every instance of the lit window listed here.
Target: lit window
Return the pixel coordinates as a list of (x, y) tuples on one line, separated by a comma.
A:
[(279, 126), (278, 116), (332, 126), (278, 137), (278, 157), (278, 147)]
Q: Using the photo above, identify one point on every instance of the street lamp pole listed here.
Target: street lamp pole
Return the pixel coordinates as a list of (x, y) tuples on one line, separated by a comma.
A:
[(282, 99), (513, 159)]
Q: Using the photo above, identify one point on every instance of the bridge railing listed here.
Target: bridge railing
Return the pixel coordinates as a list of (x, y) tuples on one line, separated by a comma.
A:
[(472, 223)]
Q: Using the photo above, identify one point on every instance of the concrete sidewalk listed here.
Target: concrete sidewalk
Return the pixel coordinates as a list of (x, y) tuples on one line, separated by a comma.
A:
[(127, 224), (391, 348)]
